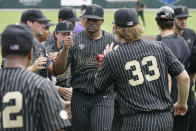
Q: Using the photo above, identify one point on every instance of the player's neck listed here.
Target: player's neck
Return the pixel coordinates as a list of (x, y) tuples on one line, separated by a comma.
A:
[(166, 32), (94, 36), (177, 31), (16, 62)]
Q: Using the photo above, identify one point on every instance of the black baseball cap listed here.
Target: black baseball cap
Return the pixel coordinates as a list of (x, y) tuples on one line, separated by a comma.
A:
[(17, 39), (125, 17), (94, 12), (69, 14), (33, 15), (64, 26), (165, 12), (181, 11)]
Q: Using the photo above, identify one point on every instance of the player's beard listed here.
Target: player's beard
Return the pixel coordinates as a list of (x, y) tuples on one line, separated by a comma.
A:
[(179, 27), (91, 29)]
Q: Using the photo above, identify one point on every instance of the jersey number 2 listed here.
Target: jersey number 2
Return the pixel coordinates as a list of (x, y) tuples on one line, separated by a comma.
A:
[(138, 72), (7, 122)]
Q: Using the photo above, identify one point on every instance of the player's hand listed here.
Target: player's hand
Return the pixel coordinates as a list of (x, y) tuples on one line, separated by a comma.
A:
[(67, 107), (109, 48), (68, 41), (53, 55), (180, 109), (39, 63), (65, 93)]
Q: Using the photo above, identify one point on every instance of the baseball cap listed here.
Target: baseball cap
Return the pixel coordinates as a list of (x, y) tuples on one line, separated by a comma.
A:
[(181, 11), (68, 13), (47, 24), (165, 12), (94, 12), (125, 17), (33, 15), (17, 39), (64, 26)]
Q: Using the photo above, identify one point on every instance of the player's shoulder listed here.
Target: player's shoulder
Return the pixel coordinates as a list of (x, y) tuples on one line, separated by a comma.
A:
[(33, 80), (79, 34), (188, 30)]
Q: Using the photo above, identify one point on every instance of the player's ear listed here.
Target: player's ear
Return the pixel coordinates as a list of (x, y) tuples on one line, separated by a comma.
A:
[(102, 21), (2, 54), (115, 27), (30, 55), (29, 23)]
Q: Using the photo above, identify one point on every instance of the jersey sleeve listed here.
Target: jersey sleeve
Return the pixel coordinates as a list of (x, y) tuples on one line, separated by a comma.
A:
[(175, 67), (52, 114), (192, 68), (104, 77)]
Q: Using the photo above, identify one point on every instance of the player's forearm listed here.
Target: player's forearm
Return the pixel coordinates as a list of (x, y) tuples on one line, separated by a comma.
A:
[(183, 89), (60, 62)]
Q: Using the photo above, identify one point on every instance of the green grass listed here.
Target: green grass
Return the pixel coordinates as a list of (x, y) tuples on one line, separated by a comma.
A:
[(11, 17)]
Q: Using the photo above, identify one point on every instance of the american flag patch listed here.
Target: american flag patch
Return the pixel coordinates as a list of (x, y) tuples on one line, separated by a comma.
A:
[(14, 47), (130, 23)]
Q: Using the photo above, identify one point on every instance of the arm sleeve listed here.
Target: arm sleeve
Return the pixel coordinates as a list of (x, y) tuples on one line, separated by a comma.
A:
[(104, 77), (53, 116), (175, 67)]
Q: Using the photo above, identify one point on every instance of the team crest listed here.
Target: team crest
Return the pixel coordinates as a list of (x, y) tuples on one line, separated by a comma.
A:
[(188, 41), (81, 46), (169, 2)]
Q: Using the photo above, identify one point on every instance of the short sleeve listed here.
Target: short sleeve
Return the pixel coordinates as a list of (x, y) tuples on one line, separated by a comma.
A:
[(175, 67)]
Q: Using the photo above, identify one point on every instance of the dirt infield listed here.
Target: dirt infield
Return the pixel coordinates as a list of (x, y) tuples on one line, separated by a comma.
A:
[(149, 37)]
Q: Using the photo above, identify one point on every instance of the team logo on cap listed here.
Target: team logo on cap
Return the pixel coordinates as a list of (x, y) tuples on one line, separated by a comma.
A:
[(94, 9), (183, 10), (169, 2), (67, 25), (130, 23)]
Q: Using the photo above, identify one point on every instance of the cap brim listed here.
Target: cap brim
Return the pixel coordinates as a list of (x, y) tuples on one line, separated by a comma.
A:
[(93, 17), (75, 19), (65, 31), (43, 19), (49, 24), (179, 16)]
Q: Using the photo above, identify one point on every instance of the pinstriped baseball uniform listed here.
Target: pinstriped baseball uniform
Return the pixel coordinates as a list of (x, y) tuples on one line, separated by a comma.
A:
[(139, 71), (63, 80), (28, 102), (91, 111)]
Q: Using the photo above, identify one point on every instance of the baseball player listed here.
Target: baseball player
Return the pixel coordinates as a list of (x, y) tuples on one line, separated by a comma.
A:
[(181, 16), (138, 69), (139, 7), (62, 30), (41, 63), (28, 102), (68, 14), (91, 111), (180, 48)]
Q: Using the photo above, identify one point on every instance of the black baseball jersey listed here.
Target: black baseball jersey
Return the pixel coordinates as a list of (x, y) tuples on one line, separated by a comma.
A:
[(140, 72), (62, 80), (82, 57), (190, 36), (38, 50), (179, 47), (29, 102)]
